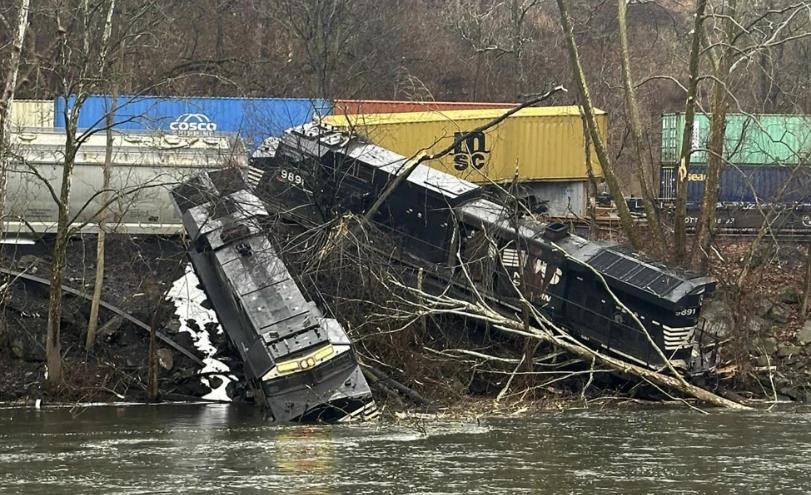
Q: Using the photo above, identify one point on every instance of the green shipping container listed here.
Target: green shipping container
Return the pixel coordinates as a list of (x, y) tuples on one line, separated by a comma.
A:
[(758, 139)]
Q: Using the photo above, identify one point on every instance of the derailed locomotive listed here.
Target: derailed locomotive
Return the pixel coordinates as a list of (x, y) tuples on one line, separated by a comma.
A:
[(300, 364), (440, 222)]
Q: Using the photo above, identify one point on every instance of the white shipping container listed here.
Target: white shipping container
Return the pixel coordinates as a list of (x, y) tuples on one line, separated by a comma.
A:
[(145, 165), (563, 198), (31, 113)]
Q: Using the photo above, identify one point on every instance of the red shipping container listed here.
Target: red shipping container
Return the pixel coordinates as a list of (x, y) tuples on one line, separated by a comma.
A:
[(356, 107)]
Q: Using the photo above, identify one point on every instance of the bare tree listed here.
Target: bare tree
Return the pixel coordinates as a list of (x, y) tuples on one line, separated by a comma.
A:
[(322, 31), (689, 121), (744, 32), (715, 148), (498, 29), (626, 221), (82, 65), (643, 155), (8, 98), (98, 285)]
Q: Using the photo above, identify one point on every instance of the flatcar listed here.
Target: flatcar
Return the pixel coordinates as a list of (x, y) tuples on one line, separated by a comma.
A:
[(300, 364), (598, 292)]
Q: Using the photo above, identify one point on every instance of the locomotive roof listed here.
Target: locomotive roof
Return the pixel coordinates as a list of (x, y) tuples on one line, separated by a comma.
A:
[(628, 269), (318, 139)]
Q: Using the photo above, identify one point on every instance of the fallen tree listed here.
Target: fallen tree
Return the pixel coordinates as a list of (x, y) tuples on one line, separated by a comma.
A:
[(553, 334)]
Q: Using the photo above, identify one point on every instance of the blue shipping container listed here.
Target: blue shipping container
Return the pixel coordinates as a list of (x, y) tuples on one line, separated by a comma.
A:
[(746, 185), (253, 118)]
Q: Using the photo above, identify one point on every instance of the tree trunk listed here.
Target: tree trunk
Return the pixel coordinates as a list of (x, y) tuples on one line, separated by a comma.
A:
[(614, 187), (642, 149), (152, 359), (99, 283), (53, 345), (8, 98), (680, 215), (715, 147), (806, 282)]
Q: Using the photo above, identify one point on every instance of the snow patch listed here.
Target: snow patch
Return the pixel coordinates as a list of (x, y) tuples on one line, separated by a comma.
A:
[(188, 300)]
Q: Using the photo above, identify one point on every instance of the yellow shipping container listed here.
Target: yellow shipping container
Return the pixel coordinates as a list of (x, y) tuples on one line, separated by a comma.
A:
[(32, 113), (545, 143)]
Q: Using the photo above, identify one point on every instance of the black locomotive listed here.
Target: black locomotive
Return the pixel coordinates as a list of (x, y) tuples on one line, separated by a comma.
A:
[(300, 364), (439, 222)]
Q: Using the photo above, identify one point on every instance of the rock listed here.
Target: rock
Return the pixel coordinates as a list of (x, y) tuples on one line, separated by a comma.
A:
[(778, 313), (792, 393), (718, 318), (765, 345), (762, 307), (804, 335), (172, 326), (165, 358), (790, 296), (27, 342), (183, 374), (193, 387), (217, 338), (28, 263), (786, 350), (185, 340), (214, 382), (758, 325), (109, 330)]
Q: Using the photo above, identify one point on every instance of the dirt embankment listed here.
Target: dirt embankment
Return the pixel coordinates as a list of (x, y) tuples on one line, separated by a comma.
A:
[(139, 272), (765, 352)]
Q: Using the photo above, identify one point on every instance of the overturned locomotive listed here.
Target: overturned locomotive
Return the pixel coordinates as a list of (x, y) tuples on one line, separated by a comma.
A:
[(440, 223), (300, 364)]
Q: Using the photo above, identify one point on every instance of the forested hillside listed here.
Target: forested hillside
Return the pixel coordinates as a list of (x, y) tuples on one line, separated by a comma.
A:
[(421, 50)]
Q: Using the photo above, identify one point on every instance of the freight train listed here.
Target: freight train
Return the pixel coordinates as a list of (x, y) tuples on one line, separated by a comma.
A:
[(767, 168), (440, 222), (300, 364)]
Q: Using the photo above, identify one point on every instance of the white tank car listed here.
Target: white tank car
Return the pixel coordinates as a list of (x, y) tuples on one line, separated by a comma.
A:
[(145, 166)]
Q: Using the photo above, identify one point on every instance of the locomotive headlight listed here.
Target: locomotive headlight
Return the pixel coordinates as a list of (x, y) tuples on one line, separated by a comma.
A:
[(300, 364)]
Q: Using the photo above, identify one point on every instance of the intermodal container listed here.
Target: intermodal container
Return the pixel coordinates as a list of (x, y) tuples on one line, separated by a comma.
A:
[(746, 184), (539, 144), (355, 107), (31, 113), (759, 139), (252, 118)]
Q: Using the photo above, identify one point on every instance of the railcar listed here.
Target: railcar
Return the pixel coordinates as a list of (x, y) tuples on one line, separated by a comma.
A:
[(300, 363), (607, 297), (144, 166)]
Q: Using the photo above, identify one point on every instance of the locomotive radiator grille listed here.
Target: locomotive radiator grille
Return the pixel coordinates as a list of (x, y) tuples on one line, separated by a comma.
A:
[(678, 338)]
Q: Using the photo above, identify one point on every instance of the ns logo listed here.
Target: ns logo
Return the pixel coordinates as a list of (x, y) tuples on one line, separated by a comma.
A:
[(469, 150)]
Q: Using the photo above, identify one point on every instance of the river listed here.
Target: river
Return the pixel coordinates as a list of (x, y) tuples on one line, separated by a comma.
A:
[(229, 449)]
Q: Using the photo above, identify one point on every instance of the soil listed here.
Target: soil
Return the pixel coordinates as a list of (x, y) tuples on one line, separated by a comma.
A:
[(139, 271)]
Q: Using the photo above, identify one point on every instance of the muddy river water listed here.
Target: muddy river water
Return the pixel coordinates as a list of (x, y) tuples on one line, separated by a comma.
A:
[(227, 449)]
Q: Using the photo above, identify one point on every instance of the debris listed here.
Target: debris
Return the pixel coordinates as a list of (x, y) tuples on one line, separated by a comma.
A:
[(165, 358), (778, 313)]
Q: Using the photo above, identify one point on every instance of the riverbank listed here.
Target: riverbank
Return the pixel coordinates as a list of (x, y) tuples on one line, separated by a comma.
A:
[(766, 353)]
